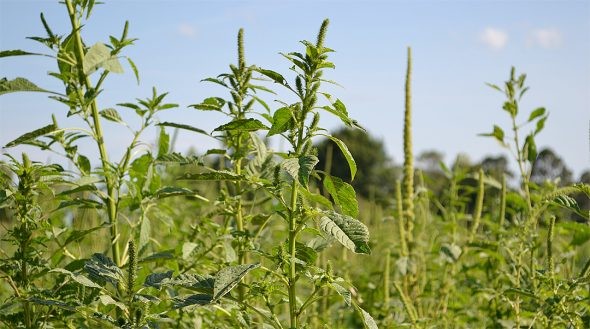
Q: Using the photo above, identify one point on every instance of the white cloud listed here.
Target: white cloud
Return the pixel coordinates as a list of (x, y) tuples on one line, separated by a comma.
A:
[(545, 38), (187, 30), (494, 38)]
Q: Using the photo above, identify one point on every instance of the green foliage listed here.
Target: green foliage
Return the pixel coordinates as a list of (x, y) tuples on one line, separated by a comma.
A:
[(245, 237)]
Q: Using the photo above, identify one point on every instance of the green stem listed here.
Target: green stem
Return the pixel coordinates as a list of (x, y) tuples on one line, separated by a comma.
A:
[(98, 134), (292, 269)]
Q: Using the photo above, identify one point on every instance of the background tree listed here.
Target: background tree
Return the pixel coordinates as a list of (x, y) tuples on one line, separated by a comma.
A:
[(550, 166), (376, 173)]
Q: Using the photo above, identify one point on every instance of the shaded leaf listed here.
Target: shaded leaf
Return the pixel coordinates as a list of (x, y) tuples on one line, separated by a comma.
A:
[(351, 233), (16, 52), (276, 77), (536, 113), (210, 104), (300, 168), (227, 278), (192, 300), (102, 269), (170, 191), (155, 279)]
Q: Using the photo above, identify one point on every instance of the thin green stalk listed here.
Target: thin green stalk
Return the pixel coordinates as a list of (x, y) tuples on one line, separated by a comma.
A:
[(292, 257), (503, 202), (98, 134), (410, 310), (401, 221), (386, 275), (478, 205), (550, 263)]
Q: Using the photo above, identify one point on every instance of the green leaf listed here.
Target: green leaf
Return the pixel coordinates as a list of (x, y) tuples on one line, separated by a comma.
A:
[(102, 269), (536, 113), (343, 195), (16, 52), (274, 76), (242, 125), (77, 277), (368, 321), (182, 126), (300, 168), (145, 232), (187, 250), (212, 175), (498, 134), (81, 203), (170, 191), (227, 278), (99, 56), (210, 104), (83, 164), (315, 198), (579, 232), (192, 300), (32, 135), (530, 148), (282, 120), (342, 291), (163, 142), (134, 69), (18, 84), (350, 232), (108, 300), (540, 124), (347, 155), (111, 114), (155, 279)]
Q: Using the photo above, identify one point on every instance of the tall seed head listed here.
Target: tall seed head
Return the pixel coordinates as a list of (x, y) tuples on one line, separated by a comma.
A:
[(322, 33), (408, 181), (241, 58), (132, 268)]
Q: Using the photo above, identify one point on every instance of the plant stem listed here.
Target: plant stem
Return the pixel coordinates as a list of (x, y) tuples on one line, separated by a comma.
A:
[(98, 134), (292, 270)]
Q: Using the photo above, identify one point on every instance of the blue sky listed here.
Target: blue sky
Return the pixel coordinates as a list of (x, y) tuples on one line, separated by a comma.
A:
[(457, 47)]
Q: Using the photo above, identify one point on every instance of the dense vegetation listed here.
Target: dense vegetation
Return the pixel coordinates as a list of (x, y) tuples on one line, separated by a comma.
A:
[(246, 237)]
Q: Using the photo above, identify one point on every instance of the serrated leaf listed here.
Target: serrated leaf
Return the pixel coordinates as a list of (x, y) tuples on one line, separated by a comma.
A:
[(18, 84), (32, 135), (351, 233), (155, 279), (536, 113), (212, 175), (102, 269), (343, 195), (210, 104), (227, 278), (192, 300), (282, 120), (111, 114), (242, 125), (182, 126), (99, 56), (300, 168)]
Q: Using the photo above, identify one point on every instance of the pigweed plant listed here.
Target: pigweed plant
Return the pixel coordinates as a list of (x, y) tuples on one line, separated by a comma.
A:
[(242, 236)]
